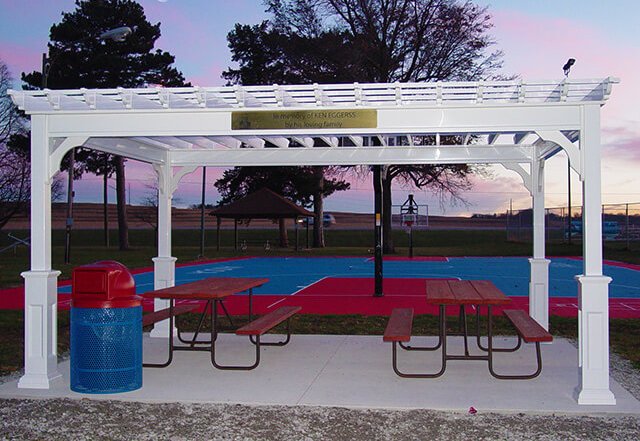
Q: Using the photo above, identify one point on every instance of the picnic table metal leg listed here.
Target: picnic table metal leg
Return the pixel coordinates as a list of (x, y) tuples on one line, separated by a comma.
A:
[(171, 347), (462, 322), (214, 337), (443, 343), (479, 341), (194, 340), (511, 377), (283, 342), (422, 348), (251, 337), (224, 308)]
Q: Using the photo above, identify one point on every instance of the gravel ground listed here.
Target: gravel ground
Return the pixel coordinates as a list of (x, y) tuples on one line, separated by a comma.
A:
[(64, 419), (86, 419)]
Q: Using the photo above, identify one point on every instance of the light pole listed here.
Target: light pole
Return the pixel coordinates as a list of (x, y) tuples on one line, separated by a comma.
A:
[(117, 34), (567, 69)]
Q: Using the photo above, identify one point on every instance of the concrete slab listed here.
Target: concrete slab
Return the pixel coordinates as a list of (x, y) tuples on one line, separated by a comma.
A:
[(354, 371)]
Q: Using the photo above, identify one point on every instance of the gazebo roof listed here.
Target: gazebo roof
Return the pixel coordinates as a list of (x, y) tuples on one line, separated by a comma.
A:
[(319, 124), (262, 204)]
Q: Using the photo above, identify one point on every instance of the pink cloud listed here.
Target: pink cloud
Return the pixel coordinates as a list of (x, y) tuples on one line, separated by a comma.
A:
[(20, 58), (210, 76)]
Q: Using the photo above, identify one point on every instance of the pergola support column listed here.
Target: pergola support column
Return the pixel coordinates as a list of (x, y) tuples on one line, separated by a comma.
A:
[(164, 265), (41, 290), (593, 286), (539, 265)]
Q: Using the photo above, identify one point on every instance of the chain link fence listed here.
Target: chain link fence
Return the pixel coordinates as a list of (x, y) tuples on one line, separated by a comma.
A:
[(620, 222)]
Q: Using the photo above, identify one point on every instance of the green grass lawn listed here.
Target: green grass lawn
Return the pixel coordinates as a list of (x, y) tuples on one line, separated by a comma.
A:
[(87, 247)]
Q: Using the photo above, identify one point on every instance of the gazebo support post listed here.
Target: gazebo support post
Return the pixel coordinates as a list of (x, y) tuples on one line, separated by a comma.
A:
[(295, 227), (593, 286), (539, 265), (164, 265), (41, 291)]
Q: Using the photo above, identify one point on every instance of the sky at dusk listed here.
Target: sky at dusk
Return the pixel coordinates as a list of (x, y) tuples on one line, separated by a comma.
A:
[(537, 38)]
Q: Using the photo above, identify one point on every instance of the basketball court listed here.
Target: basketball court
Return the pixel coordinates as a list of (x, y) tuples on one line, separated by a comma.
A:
[(344, 285)]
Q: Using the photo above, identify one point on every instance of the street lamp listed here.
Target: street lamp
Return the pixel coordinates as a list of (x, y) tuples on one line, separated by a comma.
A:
[(566, 69), (116, 34)]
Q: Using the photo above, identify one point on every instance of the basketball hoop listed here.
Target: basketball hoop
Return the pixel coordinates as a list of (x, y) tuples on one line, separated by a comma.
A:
[(408, 219)]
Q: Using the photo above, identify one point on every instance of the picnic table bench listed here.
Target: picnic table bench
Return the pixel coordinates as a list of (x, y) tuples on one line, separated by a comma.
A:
[(163, 314), (259, 327)]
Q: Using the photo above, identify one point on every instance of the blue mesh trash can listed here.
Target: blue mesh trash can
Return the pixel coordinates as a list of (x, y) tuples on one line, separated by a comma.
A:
[(106, 330)]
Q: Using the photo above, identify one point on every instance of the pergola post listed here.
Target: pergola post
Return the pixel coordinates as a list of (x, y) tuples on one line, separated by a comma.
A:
[(164, 265), (41, 291), (593, 286), (539, 265)]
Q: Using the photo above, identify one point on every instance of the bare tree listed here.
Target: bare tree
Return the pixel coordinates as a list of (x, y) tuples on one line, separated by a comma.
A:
[(10, 120), (14, 164), (14, 184), (150, 201)]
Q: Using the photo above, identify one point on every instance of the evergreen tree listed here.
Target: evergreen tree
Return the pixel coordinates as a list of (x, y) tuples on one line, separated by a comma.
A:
[(79, 57), (268, 55)]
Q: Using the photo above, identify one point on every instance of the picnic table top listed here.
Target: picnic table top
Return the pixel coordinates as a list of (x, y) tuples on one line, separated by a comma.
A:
[(464, 292), (207, 289)]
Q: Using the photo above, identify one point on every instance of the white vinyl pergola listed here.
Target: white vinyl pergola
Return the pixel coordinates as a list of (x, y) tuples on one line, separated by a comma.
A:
[(513, 123)]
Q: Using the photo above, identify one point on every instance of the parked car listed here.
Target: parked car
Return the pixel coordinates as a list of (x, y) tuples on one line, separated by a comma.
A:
[(327, 220), (610, 229)]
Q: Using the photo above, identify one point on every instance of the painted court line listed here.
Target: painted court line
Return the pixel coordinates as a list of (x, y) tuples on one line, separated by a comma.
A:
[(310, 285)]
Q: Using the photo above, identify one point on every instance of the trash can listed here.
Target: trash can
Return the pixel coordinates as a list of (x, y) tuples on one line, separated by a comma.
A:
[(106, 329)]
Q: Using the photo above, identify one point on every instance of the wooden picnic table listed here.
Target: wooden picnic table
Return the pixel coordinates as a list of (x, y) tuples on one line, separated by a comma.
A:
[(212, 290), (461, 293)]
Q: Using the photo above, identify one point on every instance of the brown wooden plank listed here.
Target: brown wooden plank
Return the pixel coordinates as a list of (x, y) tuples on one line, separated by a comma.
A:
[(490, 293), (527, 327), (263, 324), (465, 293), (206, 289), (399, 325), (163, 314), (439, 292)]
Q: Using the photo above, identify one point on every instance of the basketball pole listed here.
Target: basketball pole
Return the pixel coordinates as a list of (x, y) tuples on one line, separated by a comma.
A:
[(377, 187)]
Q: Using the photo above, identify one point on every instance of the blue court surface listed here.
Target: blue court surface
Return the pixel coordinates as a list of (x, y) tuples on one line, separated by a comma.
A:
[(288, 275)]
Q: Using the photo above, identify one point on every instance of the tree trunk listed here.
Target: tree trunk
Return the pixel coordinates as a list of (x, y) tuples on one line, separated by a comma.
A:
[(121, 197), (318, 207), (284, 238), (387, 236)]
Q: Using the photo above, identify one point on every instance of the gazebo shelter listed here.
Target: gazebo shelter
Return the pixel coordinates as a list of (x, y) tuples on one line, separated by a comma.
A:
[(516, 124), (261, 204)]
